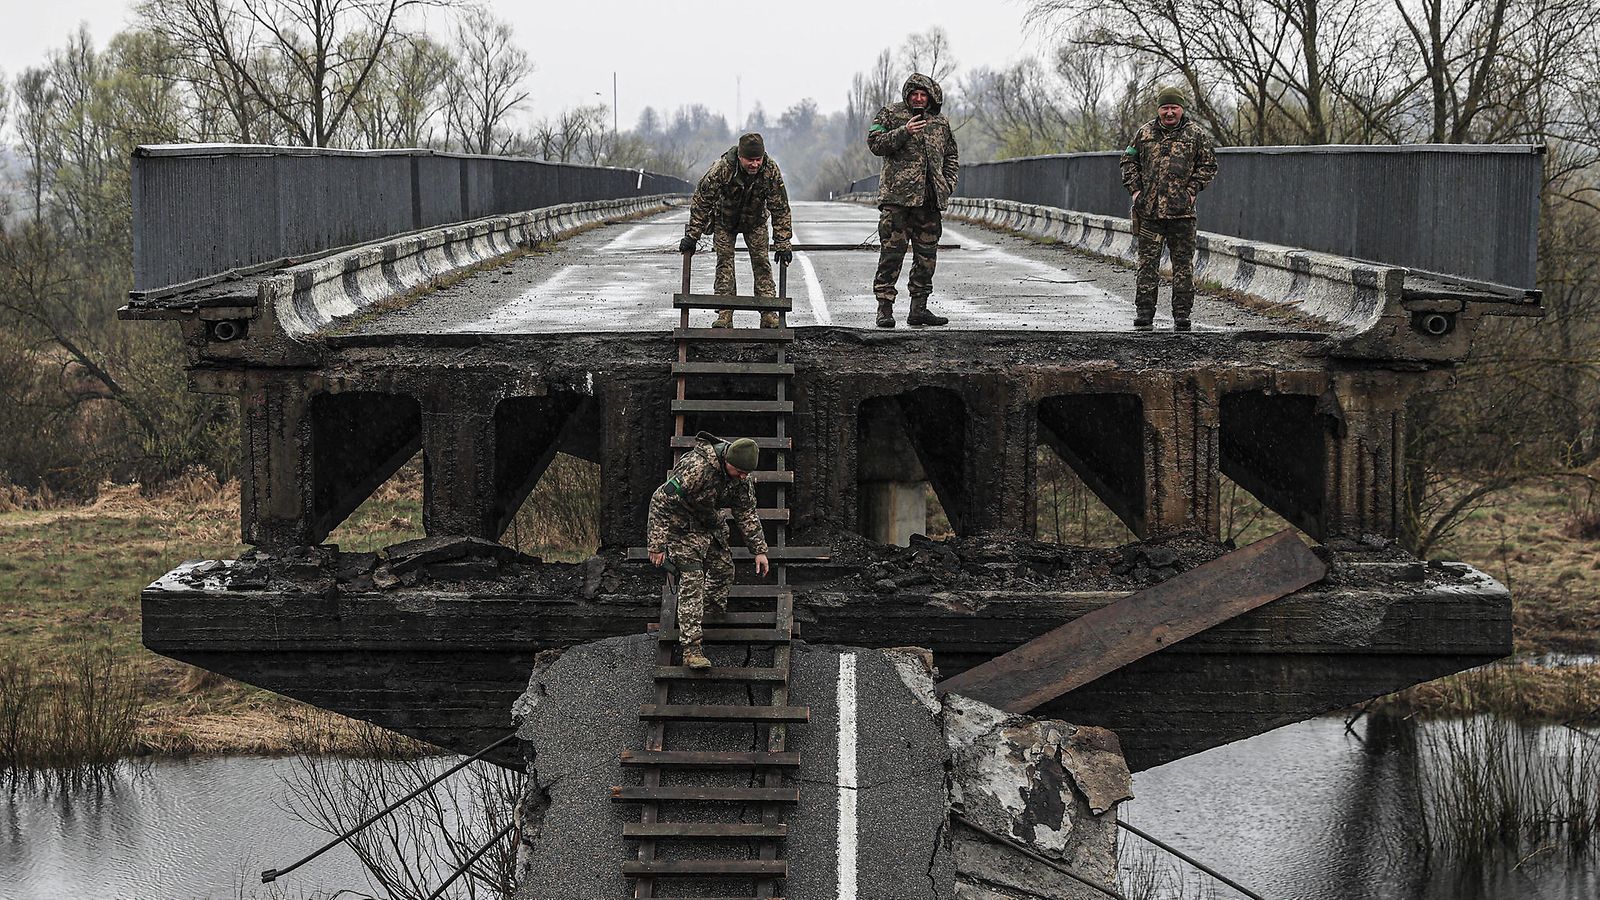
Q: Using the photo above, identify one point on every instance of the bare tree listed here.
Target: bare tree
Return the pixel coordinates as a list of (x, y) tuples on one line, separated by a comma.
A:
[(405, 96), (485, 83), (303, 63), (929, 52)]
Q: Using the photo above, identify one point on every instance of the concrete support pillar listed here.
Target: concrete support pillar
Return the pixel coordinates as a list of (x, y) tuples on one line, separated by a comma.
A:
[(1363, 487), (891, 484), (1180, 456), (636, 425), (276, 495), (1000, 464), (458, 452)]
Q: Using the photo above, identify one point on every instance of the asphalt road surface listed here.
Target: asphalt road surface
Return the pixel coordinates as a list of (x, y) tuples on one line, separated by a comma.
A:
[(622, 277)]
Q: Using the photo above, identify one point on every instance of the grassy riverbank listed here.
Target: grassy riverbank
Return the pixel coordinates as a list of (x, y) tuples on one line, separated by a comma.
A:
[(70, 577)]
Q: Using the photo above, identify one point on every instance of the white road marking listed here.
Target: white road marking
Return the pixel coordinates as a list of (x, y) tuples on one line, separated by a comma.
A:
[(847, 776), (819, 304)]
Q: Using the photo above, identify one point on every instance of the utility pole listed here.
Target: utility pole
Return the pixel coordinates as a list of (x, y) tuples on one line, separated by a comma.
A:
[(738, 99), (613, 110)]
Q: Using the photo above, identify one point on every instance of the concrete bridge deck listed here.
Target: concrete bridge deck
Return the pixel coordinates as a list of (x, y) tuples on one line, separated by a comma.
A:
[(620, 278)]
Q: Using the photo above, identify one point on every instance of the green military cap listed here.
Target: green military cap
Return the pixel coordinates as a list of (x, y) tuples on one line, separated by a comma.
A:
[(742, 454), (751, 146), (1172, 95)]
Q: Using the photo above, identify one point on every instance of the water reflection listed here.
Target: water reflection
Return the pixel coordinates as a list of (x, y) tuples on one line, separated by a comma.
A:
[(1314, 812), (170, 829)]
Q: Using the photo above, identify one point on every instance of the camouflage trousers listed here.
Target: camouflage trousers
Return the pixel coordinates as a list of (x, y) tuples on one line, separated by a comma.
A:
[(918, 227), (760, 261), (705, 575), (1179, 237)]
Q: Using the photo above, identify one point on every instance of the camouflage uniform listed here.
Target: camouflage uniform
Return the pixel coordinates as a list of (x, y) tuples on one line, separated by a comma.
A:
[(685, 523), (919, 174), (1167, 167), (727, 203)]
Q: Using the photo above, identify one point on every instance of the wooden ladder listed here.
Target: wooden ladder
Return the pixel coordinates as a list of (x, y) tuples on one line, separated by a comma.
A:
[(769, 627)]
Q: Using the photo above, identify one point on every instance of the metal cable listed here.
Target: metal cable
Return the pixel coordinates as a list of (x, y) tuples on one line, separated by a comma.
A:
[(1193, 862), (470, 860), (271, 875), (1031, 854)]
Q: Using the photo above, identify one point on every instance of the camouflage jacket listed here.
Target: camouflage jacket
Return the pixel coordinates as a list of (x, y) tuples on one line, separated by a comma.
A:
[(1167, 167), (730, 200), (914, 162), (691, 501)]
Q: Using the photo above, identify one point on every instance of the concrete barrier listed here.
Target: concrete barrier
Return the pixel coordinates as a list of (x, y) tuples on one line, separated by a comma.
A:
[(299, 301)]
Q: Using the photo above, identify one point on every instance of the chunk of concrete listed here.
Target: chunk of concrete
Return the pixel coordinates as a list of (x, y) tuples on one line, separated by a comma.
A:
[(1039, 783)]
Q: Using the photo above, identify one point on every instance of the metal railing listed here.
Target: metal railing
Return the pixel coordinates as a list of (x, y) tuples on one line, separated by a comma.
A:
[(1470, 210), (199, 209)]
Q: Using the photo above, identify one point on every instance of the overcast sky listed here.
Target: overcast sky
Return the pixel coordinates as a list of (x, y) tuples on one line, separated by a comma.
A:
[(664, 54)]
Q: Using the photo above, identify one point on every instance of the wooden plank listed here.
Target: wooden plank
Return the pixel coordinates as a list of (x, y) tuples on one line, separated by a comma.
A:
[(732, 301), (776, 868), (636, 793), (1157, 617), (716, 673), (730, 636), (709, 759), (742, 619), (796, 553), (732, 368), (699, 830), (735, 335), (685, 441), (706, 712), (745, 406)]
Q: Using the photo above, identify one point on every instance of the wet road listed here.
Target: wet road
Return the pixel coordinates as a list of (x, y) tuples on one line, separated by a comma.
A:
[(621, 278)]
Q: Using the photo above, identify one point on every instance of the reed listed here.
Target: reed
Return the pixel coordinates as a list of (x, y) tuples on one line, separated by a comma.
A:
[(69, 718)]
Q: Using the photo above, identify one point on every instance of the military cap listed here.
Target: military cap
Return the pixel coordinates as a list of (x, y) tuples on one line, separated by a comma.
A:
[(751, 146), (1173, 95), (742, 454)]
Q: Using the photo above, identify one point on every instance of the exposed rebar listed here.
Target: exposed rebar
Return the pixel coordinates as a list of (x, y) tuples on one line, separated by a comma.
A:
[(1030, 853), (1193, 862)]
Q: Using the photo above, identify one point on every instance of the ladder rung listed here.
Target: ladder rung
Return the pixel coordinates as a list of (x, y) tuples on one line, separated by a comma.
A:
[(758, 590), (715, 673), (750, 406), (742, 554), (685, 441), (772, 476), (768, 617), (775, 868), (696, 830), (698, 712), (731, 301), (731, 636), (637, 793), (745, 335), (765, 514), (732, 368), (709, 759)]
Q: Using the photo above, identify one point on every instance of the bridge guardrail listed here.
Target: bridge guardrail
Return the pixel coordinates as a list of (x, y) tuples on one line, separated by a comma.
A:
[(203, 209), (1470, 210)]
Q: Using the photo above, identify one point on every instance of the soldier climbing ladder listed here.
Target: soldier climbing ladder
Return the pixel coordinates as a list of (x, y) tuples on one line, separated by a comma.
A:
[(764, 631)]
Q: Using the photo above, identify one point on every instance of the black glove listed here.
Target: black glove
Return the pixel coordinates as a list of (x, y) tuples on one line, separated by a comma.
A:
[(687, 245), (784, 255)]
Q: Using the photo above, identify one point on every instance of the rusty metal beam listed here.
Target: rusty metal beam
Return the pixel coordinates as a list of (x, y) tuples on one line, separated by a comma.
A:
[(1109, 638)]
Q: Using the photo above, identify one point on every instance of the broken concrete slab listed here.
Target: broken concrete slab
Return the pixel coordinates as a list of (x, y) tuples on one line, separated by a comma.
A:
[(1037, 782), (881, 769), (408, 555)]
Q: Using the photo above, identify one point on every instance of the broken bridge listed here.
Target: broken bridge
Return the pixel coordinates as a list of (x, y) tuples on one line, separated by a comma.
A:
[(364, 307)]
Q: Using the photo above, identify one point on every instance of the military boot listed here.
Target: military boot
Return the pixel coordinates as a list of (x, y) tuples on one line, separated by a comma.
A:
[(1144, 318), (769, 320), (695, 658), (724, 319), (921, 315), (885, 313), (1182, 305)]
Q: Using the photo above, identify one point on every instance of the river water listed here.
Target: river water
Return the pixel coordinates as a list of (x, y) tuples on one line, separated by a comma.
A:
[(1307, 812)]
